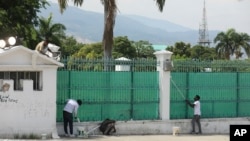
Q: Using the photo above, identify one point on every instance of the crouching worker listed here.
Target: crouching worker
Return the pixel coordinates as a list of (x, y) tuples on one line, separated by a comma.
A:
[(42, 47), (70, 111), (107, 127)]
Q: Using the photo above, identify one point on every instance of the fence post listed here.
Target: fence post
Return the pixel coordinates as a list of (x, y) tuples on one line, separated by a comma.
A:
[(163, 67)]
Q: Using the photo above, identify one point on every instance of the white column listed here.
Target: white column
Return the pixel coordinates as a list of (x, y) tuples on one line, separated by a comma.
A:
[(164, 83)]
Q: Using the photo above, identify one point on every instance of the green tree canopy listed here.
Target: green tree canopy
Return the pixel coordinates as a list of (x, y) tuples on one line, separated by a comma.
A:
[(202, 53), (70, 46), (19, 17), (242, 40), (230, 42), (90, 51), (123, 48), (180, 50), (143, 49), (52, 31)]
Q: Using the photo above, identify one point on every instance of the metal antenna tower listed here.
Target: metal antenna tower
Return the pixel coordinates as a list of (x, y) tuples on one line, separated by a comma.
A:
[(203, 30)]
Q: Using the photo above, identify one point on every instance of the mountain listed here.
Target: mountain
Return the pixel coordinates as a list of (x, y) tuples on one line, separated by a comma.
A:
[(87, 26), (161, 24)]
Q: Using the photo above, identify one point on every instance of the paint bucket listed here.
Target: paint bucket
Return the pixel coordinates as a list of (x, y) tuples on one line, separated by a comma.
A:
[(44, 136)]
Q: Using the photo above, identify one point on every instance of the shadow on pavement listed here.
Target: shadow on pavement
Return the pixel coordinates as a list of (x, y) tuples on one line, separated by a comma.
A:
[(80, 138)]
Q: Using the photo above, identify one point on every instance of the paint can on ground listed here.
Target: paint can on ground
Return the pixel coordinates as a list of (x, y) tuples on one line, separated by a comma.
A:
[(44, 136)]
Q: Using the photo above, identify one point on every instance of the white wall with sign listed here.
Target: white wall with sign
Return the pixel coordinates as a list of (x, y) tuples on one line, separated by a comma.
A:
[(27, 92)]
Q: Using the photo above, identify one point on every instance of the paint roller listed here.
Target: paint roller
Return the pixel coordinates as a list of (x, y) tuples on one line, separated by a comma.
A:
[(179, 91)]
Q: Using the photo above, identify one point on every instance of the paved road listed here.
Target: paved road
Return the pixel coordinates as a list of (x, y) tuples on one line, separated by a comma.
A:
[(145, 138)]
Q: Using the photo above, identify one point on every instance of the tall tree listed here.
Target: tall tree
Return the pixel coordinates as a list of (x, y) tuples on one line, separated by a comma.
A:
[(53, 31), (123, 48), (110, 10), (19, 17), (242, 41), (230, 43), (180, 50), (90, 51), (202, 53), (70, 46), (223, 47), (143, 49)]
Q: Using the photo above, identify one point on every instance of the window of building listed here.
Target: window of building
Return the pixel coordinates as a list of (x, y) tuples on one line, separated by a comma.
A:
[(17, 76)]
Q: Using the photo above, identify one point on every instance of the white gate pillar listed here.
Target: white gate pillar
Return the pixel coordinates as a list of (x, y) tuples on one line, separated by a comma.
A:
[(164, 66)]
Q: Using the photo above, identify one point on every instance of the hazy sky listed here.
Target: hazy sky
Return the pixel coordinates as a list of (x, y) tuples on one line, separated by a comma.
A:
[(221, 14)]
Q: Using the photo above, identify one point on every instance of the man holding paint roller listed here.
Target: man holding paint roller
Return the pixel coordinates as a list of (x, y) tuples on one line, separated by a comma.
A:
[(70, 110), (197, 113)]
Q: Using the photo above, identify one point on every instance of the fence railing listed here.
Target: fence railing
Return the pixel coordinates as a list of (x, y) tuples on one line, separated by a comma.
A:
[(136, 65), (211, 66), (142, 65)]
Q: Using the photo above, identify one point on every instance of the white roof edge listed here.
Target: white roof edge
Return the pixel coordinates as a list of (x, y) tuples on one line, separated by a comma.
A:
[(163, 52), (49, 59), (32, 52), (123, 58)]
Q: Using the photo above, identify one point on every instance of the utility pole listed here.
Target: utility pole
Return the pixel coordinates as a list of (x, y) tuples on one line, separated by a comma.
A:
[(203, 30)]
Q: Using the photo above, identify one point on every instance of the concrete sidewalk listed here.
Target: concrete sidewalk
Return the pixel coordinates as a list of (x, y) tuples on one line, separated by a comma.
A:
[(184, 137)]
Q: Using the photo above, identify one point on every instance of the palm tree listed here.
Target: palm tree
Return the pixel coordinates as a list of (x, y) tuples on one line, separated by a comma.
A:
[(54, 32), (224, 46), (231, 42), (242, 41), (110, 10)]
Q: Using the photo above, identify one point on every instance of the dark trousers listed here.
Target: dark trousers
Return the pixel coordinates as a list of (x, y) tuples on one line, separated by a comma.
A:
[(196, 118), (68, 120)]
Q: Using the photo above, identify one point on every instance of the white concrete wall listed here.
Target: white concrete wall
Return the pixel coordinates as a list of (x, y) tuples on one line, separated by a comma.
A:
[(29, 112), (209, 126)]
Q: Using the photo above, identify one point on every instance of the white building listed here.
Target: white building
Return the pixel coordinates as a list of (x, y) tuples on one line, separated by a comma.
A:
[(122, 66), (28, 92)]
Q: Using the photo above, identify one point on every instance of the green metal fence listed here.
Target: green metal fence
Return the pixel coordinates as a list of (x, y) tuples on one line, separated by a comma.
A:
[(224, 89), (119, 95)]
